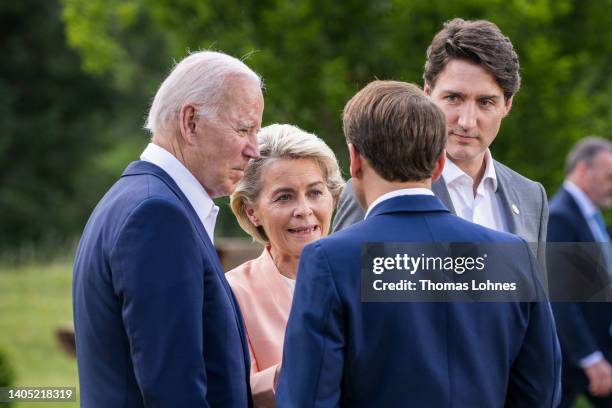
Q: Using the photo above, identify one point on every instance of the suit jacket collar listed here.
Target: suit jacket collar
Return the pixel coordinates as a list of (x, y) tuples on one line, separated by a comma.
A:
[(409, 203), (586, 206), (510, 200), (192, 189), (440, 190), (142, 167), (581, 224)]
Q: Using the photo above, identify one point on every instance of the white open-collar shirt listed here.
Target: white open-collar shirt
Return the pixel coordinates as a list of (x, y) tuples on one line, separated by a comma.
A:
[(485, 207), (197, 196)]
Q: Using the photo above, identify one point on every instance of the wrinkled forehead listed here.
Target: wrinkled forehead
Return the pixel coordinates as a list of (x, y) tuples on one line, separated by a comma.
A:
[(242, 100)]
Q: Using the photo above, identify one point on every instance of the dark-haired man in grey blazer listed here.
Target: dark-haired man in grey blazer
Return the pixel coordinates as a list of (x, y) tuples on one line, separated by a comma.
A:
[(472, 74)]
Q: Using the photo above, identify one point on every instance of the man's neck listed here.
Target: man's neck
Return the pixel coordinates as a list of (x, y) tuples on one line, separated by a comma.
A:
[(583, 186), (474, 168), (287, 264), (171, 144), (376, 188)]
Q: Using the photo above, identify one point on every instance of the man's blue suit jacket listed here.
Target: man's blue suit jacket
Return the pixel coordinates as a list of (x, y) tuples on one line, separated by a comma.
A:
[(339, 351), (583, 327), (155, 320)]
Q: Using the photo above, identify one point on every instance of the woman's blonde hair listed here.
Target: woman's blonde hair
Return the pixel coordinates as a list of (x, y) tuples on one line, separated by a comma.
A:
[(282, 142)]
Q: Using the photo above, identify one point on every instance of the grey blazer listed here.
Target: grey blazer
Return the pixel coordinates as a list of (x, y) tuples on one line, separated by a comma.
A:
[(524, 204)]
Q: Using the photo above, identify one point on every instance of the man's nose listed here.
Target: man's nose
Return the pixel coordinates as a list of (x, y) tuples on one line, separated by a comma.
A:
[(251, 150), (467, 116)]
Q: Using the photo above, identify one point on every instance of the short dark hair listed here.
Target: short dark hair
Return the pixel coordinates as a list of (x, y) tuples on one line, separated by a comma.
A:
[(586, 150), (480, 42), (398, 129)]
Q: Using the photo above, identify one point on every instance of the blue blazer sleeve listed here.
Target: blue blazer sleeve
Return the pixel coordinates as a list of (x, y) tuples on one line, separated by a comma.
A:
[(313, 354), (535, 375), (157, 275)]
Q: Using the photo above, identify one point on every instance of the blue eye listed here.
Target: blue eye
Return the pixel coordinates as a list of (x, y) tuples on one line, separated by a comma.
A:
[(283, 197)]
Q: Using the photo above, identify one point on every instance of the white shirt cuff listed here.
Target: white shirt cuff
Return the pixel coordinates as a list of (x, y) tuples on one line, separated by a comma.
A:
[(591, 359)]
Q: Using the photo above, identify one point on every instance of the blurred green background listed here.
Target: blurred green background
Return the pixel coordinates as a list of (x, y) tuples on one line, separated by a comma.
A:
[(77, 77)]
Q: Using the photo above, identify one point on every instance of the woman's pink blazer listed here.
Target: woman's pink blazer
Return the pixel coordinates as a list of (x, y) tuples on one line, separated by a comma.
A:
[(265, 302)]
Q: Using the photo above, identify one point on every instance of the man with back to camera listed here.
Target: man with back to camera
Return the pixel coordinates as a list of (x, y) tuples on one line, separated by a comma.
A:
[(575, 216), (472, 74), (340, 351), (156, 323)]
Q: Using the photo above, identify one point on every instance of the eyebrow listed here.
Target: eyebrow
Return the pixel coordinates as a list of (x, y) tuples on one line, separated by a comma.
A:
[(291, 190), (246, 125), (492, 97), (458, 93)]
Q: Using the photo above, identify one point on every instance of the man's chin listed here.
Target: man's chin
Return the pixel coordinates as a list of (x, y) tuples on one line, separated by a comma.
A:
[(460, 154), (222, 191)]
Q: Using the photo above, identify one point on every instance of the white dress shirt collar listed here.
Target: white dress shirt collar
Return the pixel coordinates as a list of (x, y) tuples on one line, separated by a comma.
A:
[(451, 172), (485, 207), (587, 208), (397, 193), (585, 204), (196, 194)]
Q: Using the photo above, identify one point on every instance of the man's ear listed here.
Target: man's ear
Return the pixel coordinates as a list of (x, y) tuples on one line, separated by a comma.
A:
[(356, 162), (580, 169), (187, 123), (437, 173), (250, 212), (508, 105), (427, 89)]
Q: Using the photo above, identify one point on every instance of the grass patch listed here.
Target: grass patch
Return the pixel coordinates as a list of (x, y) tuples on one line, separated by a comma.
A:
[(34, 302)]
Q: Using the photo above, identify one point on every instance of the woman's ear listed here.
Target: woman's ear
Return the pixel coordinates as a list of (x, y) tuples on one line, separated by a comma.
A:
[(252, 214)]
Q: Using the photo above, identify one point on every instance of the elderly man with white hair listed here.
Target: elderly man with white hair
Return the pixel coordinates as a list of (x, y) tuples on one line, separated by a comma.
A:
[(155, 320)]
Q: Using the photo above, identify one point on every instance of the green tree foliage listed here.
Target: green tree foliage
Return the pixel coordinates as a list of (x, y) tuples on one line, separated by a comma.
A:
[(67, 135), (50, 114), (315, 54)]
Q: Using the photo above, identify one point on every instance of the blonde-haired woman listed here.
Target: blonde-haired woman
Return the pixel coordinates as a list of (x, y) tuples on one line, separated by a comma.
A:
[(284, 201)]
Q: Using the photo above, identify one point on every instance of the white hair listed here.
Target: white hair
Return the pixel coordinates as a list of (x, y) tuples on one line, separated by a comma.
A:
[(197, 79)]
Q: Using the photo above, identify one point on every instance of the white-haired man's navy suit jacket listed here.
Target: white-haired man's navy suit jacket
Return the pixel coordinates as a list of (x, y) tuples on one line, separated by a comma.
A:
[(155, 320), (339, 351)]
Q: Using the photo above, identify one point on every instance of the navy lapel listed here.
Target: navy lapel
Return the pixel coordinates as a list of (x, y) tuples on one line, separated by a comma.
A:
[(582, 225), (143, 167)]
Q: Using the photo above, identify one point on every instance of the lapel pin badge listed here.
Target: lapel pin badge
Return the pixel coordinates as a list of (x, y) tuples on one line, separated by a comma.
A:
[(515, 209)]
